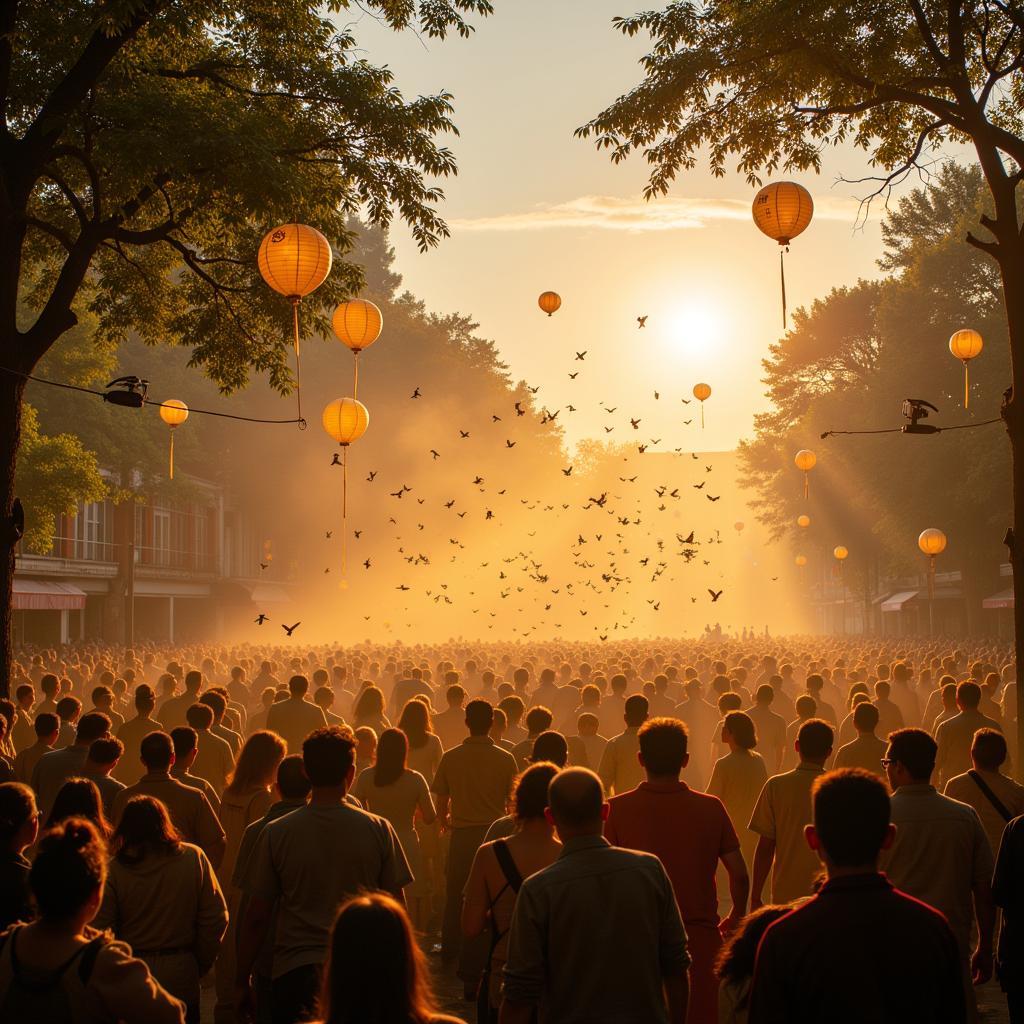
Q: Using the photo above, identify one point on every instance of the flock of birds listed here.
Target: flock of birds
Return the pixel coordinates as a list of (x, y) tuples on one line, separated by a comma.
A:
[(618, 541)]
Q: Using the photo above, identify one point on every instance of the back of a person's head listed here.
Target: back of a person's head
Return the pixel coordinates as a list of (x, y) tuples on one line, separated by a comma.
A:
[(551, 746), (144, 698), (455, 695), (576, 797), (46, 725), (91, 727), (882, 689), (145, 827), (635, 711), (741, 728), (199, 716), (69, 869), (375, 971), (988, 749), (184, 739), (67, 708), (538, 719), (865, 717), (968, 695), (729, 701), (392, 750), (618, 683), (157, 751), (663, 746), (512, 705), (851, 816), (479, 715), (292, 781), (298, 685), (815, 738), (78, 798), (328, 755), (531, 790), (915, 750), (735, 961), (814, 683), (765, 694), (106, 750), (806, 706), (17, 806), (215, 702), (193, 681), (257, 762)]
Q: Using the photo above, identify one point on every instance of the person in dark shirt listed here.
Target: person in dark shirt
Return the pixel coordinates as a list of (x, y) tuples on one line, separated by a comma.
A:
[(19, 824), (1008, 893), (860, 950)]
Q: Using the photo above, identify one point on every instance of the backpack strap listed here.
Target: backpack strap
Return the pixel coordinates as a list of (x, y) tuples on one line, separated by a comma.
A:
[(508, 865), (990, 796), (88, 958)]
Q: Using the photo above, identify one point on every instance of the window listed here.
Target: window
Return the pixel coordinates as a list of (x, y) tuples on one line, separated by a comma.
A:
[(161, 536)]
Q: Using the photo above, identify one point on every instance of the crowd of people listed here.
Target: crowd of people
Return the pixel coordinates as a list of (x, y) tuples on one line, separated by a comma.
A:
[(715, 831)]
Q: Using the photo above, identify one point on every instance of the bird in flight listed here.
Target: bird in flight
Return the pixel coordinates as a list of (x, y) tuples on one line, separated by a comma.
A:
[(712, 497), (261, 618), (686, 401), (567, 472), (330, 533), (464, 433), (573, 376), (263, 565), (435, 454), (290, 629), (416, 393), (366, 564), (641, 322), (635, 424), (401, 586), (520, 411), (715, 594), (580, 356), (335, 461), (510, 444), (372, 476)]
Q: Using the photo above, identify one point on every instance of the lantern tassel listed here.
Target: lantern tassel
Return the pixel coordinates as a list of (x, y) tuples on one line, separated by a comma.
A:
[(807, 486), (355, 377), (298, 367), (967, 389), (701, 415), (171, 467), (344, 511), (782, 278)]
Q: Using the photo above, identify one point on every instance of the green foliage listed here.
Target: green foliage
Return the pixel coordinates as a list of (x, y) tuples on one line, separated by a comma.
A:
[(55, 473)]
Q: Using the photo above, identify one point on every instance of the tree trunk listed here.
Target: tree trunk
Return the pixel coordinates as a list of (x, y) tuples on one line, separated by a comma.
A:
[(12, 390)]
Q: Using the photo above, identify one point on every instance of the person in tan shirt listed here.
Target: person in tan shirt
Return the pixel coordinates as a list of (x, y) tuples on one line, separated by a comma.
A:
[(988, 754), (867, 750), (295, 718), (620, 770), (955, 736), (190, 811), (133, 732), (47, 729), (214, 760)]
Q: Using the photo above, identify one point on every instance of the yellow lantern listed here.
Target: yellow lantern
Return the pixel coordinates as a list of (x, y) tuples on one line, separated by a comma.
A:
[(345, 420), (782, 211), (932, 542), (966, 345), (806, 460), (550, 302), (841, 553), (738, 527), (173, 412), (295, 259), (357, 325), (801, 561), (702, 392), (803, 521)]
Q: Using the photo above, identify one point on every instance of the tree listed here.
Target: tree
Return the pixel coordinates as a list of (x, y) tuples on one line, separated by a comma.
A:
[(773, 85), (146, 146)]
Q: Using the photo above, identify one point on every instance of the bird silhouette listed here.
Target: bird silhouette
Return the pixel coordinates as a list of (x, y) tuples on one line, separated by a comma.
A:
[(261, 618), (567, 472), (435, 454), (715, 594), (463, 434), (573, 376), (510, 444), (635, 424), (580, 356), (520, 411), (335, 461), (416, 393), (641, 322), (329, 534), (264, 565), (290, 629), (372, 476), (686, 401), (712, 497), (366, 564)]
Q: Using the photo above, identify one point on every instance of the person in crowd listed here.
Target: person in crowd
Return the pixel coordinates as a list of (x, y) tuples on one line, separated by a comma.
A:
[(771, 727), (538, 720), (368, 711), (79, 798), (867, 750), (620, 769), (806, 708), (19, 826), (366, 748), (22, 733), (699, 717), (375, 970), (163, 900), (174, 711), (568, 915), (323, 698), (104, 755), (587, 747), (307, 863), (738, 778), (497, 874), (822, 960), (955, 736), (214, 760), (690, 833), (69, 710), (218, 703), (52, 770), (133, 732), (1008, 896), (994, 795), (399, 794), (471, 784), (103, 704), (735, 967), (190, 811), (47, 729), (58, 964), (779, 817), (450, 724), (890, 717), (940, 853), (186, 745)]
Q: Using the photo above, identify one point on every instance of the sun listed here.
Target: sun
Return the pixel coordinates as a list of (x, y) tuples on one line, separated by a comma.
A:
[(694, 329)]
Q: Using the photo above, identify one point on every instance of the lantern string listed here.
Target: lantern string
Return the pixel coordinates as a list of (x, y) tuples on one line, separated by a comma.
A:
[(702, 414), (344, 511), (298, 366), (355, 377), (807, 485), (782, 277), (967, 390), (171, 472)]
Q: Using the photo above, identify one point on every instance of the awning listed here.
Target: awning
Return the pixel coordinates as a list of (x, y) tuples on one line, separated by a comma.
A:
[(1004, 599), (257, 593), (42, 595), (897, 601)]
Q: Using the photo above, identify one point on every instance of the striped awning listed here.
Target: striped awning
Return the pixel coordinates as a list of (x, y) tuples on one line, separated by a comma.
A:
[(44, 595)]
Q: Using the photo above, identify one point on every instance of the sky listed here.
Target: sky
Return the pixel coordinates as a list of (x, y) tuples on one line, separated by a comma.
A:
[(534, 208)]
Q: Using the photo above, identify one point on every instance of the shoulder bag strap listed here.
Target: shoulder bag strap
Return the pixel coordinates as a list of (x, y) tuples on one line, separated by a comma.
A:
[(990, 796), (508, 865)]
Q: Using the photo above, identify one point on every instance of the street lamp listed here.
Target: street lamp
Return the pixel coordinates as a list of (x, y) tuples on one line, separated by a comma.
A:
[(932, 542), (841, 554)]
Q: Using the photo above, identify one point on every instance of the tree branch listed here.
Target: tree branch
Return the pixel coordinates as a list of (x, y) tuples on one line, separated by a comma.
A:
[(51, 229)]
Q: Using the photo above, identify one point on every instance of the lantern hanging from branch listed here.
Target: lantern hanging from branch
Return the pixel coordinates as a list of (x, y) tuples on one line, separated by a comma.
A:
[(782, 211), (357, 325), (345, 420), (806, 460), (295, 259), (702, 392), (932, 543), (173, 412), (549, 302), (966, 345)]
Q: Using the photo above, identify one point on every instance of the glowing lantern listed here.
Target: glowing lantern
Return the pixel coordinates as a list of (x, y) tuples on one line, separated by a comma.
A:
[(782, 211), (550, 302), (702, 392), (738, 527), (345, 420), (966, 345), (841, 553), (803, 521), (357, 325), (173, 412), (801, 561), (295, 259), (806, 460), (932, 543)]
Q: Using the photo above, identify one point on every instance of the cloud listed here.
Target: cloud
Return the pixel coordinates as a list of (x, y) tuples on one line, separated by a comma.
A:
[(614, 213)]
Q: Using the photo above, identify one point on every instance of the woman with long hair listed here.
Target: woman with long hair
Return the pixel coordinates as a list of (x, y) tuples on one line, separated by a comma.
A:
[(247, 796), (499, 869), (79, 798), (368, 710), (58, 968), (735, 967), (19, 823), (375, 972), (395, 792), (162, 898)]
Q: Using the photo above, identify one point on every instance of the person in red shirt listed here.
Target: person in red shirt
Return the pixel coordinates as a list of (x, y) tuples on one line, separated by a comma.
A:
[(690, 833)]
